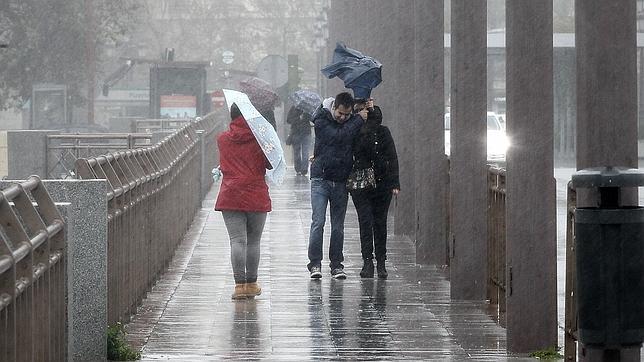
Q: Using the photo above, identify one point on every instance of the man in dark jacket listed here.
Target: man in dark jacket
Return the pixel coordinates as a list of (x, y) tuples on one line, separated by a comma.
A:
[(299, 138), (335, 129)]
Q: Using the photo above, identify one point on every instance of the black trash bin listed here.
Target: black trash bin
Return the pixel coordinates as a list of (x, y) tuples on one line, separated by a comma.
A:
[(610, 260)]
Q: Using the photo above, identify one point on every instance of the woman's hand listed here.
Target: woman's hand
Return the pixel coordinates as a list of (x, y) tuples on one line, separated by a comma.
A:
[(363, 113), (395, 192)]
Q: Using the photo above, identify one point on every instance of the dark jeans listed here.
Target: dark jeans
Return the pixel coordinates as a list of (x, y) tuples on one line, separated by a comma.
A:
[(301, 153), (372, 207), (334, 194)]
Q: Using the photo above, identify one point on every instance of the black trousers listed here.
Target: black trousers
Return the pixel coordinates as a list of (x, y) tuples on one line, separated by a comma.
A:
[(372, 207)]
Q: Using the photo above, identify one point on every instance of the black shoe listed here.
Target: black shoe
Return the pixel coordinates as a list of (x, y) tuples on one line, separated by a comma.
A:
[(316, 272), (382, 272), (338, 273), (367, 269)]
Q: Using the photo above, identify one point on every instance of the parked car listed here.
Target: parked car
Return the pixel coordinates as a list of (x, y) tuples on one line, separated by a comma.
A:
[(497, 141)]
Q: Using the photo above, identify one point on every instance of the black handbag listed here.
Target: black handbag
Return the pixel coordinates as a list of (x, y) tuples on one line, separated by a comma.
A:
[(363, 179)]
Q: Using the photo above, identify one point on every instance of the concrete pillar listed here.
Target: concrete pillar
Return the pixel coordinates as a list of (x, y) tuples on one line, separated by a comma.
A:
[(531, 249), (402, 116), (468, 172), (606, 83), (606, 107), (27, 153), (339, 18), (430, 166)]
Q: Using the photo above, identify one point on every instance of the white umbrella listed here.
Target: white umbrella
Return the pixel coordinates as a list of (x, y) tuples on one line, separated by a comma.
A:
[(264, 134)]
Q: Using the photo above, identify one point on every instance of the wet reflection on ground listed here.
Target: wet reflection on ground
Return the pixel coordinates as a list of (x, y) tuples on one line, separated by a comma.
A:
[(190, 316)]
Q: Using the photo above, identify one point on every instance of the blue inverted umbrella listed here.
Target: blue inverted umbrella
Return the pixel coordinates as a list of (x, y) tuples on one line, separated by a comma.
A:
[(306, 101), (359, 72)]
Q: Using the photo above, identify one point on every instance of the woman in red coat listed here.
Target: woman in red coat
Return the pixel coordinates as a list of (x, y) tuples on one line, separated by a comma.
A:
[(243, 200)]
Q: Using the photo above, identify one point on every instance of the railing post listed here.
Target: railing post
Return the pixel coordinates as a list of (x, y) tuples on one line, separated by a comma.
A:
[(26, 153), (204, 173), (87, 265)]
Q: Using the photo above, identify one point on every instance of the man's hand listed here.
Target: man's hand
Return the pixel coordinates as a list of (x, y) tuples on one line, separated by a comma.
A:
[(395, 192)]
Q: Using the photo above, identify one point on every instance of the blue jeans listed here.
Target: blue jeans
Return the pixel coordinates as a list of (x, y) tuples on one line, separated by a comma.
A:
[(301, 154), (335, 194)]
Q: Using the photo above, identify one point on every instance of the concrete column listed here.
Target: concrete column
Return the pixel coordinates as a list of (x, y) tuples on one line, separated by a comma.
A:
[(606, 108), (468, 172), (27, 153), (403, 116), (339, 16), (431, 166), (531, 249), (606, 83)]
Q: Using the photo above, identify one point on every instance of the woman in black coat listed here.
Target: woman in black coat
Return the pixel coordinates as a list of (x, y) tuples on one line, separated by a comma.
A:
[(374, 147)]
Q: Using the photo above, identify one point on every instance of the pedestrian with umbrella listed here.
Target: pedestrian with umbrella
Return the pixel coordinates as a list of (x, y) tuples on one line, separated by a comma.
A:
[(374, 178), (246, 150), (336, 126), (300, 117), (262, 96)]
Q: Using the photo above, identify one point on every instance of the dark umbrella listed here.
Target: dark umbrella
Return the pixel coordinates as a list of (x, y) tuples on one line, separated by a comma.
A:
[(260, 92), (306, 100), (359, 72)]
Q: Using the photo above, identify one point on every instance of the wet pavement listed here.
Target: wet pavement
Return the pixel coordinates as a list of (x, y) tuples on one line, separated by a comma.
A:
[(189, 314)]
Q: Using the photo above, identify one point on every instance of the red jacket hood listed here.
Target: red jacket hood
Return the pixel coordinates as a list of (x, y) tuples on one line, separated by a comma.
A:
[(239, 131)]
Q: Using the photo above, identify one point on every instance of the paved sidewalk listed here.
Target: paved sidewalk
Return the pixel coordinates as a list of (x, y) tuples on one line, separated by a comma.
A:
[(189, 315)]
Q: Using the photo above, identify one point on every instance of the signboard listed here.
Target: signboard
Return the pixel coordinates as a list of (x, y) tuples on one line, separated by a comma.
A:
[(178, 106), (274, 70), (48, 105), (228, 57), (217, 99)]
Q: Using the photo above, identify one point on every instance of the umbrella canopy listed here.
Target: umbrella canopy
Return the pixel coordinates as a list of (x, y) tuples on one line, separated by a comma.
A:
[(264, 133), (260, 92), (359, 72), (306, 100)]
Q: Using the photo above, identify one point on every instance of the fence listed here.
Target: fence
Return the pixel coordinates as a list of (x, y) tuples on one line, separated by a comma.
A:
[(151, 204), (32, 275), (496, 262), (157, 125), (210, 126), (570, 328), (64, 150)]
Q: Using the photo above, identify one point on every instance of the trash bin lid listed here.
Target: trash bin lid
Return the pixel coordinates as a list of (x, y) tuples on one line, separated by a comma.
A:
[(608, 177)]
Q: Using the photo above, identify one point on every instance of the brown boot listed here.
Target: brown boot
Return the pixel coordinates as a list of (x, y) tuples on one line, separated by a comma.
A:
[(240, 292), (253, 290)]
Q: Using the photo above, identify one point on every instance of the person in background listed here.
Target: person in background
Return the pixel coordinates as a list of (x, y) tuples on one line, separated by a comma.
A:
[(299, 138), (374, 147), (335, 129), (243, 200), (268, 112)]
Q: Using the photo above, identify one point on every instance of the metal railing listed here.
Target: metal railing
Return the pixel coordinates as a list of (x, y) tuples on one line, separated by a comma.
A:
[(496, 241), (211, 125), (156, 125), (570, 327), (153, 196), (32, 275), (63, 150)]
